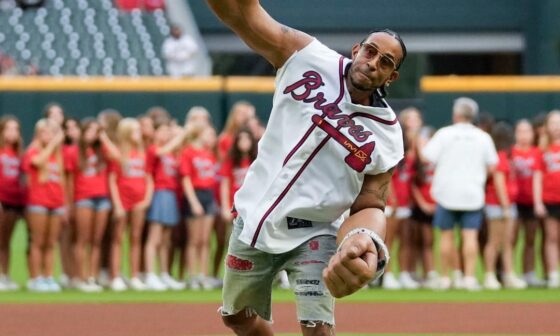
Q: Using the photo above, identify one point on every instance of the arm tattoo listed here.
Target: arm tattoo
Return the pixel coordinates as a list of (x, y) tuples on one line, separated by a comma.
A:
[(286, 29)]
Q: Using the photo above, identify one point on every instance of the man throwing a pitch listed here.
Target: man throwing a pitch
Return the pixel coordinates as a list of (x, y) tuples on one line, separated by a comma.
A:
[(330, 146)]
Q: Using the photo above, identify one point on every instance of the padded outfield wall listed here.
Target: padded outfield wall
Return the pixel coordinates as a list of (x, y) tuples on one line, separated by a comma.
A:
[(509, 97)]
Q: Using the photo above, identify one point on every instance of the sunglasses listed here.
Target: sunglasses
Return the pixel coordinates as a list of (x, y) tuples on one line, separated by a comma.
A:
[(385, 62)]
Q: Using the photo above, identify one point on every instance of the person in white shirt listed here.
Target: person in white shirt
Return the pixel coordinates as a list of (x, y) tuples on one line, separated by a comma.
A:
[(178, 50), (463, 156), (331, 144)]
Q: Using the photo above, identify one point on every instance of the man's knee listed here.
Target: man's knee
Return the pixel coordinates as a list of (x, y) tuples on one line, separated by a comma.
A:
[(316, 328), (244, 320)]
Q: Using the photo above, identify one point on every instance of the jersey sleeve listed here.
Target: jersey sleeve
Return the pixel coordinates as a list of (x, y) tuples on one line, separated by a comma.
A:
[(226, 168), (539, 161), (432, 150)]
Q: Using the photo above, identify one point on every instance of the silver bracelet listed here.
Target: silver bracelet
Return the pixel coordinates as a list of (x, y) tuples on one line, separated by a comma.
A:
[(382, 251)]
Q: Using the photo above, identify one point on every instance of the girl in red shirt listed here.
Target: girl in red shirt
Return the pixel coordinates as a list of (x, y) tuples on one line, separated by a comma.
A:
[(12, 198), (500, 210), (425, 207), (86, 166), (524, 157), (131, 191), (198, 168), (164, 213), (43, 163), (546, 187), (72, 133)]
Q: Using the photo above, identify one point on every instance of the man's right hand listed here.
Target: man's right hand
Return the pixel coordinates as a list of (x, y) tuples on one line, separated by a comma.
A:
[(351, 268)]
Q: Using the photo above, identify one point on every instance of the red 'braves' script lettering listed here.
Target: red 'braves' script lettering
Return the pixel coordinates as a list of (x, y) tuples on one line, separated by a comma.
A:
[(238, 264), (302, 90)]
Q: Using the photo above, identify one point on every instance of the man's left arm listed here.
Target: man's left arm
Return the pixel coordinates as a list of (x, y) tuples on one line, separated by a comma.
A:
[(360, 239)]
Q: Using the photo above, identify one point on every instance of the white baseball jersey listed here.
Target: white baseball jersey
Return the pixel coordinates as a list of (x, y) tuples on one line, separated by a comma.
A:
[(314, 154)]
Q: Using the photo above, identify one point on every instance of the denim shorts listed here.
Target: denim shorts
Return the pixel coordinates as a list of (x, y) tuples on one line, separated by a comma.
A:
[(496, 212), (96, 203), (44, 210), (164, 209), (207, 200), (445, 219), (249, 274)]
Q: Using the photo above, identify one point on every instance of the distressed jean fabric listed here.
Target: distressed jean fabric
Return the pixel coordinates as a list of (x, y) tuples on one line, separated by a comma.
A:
[(250, 273)]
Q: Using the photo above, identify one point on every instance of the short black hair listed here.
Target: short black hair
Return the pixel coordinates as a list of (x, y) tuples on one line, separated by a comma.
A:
[(393, 34)]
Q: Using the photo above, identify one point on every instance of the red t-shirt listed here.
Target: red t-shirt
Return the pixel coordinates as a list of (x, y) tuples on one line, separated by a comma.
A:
[(12, 191), (131, 179), (164, 169), (225, 142), (524, 163), (236, 175), (49, 192), (91, 181), (549, 164), (402, 181), (200, 165), (426, 185), (511, 183)]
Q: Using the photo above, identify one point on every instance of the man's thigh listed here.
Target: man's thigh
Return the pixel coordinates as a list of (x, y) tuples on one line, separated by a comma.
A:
[(248, 277), (305, 269)]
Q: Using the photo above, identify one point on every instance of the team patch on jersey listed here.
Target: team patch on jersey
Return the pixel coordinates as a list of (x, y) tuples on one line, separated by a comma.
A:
[(298, 223)]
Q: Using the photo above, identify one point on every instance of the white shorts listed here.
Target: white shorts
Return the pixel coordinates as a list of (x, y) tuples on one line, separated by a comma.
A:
[(496, 212)]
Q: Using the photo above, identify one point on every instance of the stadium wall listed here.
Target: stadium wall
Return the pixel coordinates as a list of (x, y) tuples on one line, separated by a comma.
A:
[(505, 97), (508, 97)]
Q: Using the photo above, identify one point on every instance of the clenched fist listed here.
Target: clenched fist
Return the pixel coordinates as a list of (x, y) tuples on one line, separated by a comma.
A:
[(352, 267)]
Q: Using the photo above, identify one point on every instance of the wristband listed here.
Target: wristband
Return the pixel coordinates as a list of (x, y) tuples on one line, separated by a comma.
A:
[(382, 251)]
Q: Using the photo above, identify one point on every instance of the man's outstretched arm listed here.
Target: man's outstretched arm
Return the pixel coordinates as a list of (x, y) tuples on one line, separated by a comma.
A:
[(262, 33), (356, 262)]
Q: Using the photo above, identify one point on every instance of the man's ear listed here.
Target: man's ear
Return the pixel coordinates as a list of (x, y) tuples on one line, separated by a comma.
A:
[(394, 76), (355, 50)]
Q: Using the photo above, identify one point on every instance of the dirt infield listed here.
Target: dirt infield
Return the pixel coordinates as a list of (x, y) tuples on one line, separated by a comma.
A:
[(202, 319)]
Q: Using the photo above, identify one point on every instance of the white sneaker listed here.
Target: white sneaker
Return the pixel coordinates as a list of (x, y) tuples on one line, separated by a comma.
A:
[(87, 287), (94, 285), (390, 282), (7, 284), (207, 283), (194, 283), (512, 281), (65, 281), (444, 283), (532, 280), (491, 282), (118, 285), (432, 281), (407, 282), (53, 285), (457, 281), (103, 278), (137, 284), (38, 284), (284, 282), (171, 283), (553, 280), (154, 283), (471, 284)]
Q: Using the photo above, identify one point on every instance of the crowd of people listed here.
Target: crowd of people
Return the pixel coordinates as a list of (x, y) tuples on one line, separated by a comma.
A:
[(83, 185), (495, 180)]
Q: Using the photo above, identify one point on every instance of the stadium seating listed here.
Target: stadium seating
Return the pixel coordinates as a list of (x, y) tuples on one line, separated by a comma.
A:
[(85, 38)]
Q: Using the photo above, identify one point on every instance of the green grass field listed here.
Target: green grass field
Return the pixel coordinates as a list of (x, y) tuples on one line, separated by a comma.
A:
[(19, 274)]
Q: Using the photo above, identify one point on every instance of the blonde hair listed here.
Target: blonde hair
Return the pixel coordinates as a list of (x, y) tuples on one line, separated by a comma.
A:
[(43, 124), (232, 126), (125, 129), (194, 129), (4, 120), (546, 141)]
